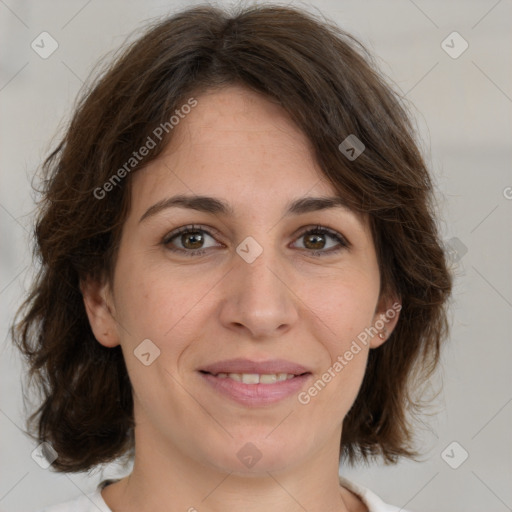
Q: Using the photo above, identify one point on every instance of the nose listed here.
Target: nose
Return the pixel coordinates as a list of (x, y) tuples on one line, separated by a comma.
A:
[(259, 297)]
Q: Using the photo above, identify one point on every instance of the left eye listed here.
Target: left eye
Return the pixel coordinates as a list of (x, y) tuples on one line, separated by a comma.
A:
[(192, 239), (316, 236)]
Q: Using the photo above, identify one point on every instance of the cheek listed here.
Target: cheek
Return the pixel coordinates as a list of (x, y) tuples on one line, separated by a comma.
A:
[(344, 305), (162, 303), (348, 311), (336, 387)]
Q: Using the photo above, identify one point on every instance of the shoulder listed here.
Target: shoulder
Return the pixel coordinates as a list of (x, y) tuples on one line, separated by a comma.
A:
[(92, 502), (369, 498)]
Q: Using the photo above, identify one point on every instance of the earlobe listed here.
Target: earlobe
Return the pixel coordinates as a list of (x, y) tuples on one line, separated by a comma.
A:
[(99, 312), (384, 321)]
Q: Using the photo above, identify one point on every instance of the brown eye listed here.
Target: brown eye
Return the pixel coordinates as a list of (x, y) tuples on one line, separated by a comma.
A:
[(317, 241), (188, 240), (314, 241), (192, 240)]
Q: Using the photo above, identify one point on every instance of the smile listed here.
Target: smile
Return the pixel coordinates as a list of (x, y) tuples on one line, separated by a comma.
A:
[(252, 389), (255, 378)]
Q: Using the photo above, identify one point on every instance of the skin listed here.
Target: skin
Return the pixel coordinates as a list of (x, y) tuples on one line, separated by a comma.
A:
[(292, 302)]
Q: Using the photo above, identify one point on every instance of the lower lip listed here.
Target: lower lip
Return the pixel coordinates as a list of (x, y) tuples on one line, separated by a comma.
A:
[(256, 394)]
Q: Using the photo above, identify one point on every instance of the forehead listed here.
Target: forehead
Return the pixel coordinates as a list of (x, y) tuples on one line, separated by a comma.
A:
[(237, 122), (239, 145)]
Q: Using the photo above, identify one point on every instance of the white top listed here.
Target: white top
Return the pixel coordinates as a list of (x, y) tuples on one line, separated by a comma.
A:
[(94, 502)]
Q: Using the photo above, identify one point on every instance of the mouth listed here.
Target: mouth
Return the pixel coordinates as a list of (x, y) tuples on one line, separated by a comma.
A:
[(254, 384), (255, 394), (256, 378), (242, 366)]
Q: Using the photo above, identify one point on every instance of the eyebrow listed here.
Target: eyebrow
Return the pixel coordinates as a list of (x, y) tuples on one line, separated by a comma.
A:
[(214, 205)]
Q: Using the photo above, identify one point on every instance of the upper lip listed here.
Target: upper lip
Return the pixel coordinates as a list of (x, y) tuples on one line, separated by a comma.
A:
[(241, 365)]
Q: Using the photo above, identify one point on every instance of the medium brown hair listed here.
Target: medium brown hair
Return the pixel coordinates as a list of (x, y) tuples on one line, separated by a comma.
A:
[(330, 86)]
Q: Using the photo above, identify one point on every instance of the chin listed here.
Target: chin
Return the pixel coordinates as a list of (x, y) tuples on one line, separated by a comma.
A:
[(255, 455)]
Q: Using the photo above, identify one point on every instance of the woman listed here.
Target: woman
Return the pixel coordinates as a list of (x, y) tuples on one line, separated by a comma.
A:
[(242, 281)]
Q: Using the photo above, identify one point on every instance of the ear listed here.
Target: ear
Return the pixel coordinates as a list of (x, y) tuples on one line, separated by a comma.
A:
[(99, 307), (385, 319)]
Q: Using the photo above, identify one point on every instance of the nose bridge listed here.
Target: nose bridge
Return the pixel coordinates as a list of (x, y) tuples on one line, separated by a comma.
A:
[(259, 297), (257, 268)]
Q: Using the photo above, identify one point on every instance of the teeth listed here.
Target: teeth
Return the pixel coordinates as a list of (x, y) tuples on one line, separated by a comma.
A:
[(250, 378), (267, 379), (255, 378)]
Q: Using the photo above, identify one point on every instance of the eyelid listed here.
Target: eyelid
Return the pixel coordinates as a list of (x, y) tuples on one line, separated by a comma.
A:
[(209, 230), (328, 231)]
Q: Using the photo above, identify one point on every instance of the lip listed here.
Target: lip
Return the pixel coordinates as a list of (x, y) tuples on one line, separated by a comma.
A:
[(241, 365), (253, 395)]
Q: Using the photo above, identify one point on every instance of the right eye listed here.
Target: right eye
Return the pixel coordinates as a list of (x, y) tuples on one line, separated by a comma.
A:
[(191, 239)]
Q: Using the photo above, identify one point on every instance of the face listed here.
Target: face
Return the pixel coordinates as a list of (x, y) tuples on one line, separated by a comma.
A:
[(291, 290)]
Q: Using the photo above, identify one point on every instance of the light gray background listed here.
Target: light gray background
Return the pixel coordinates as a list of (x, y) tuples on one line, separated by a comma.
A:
[(463, 108)]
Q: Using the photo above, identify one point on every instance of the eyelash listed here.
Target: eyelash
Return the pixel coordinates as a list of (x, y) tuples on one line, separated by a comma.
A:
[(316, 230)]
